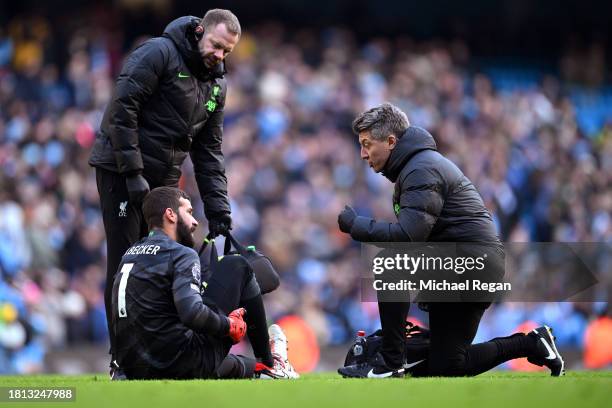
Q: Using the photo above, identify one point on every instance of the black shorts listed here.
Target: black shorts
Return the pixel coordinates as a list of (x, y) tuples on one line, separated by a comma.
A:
[(207, 356)]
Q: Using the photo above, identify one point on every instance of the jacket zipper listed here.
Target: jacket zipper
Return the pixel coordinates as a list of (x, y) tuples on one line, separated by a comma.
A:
[(197, 104)]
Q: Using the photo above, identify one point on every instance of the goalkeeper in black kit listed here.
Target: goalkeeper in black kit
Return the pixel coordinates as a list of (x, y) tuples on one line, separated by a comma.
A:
[(168, 323)]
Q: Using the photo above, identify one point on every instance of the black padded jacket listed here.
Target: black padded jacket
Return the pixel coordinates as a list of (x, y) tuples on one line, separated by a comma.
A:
[(433, 200), (167, 104)]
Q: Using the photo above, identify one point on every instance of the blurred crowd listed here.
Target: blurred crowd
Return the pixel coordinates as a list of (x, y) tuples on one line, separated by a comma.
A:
[(292, 164)]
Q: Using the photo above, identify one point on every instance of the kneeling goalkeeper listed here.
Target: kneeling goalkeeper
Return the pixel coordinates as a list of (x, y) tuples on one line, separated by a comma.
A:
[(164, 327)]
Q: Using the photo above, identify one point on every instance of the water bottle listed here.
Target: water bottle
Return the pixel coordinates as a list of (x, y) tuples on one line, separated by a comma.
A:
[(359, 346)]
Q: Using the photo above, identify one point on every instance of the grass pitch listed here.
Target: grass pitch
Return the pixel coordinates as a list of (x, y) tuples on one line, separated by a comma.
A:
[(498, 389)]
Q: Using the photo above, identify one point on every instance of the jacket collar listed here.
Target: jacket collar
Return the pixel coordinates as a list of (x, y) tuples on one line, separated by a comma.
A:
[(182, 33), (158, 233), (414, 140)]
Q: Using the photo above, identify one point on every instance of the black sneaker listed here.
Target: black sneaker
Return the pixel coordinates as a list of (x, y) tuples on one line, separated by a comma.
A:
[(547, 353), (373, 368), (116, 373)]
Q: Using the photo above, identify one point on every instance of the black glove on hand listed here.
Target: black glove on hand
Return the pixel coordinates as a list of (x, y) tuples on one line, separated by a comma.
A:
[(137, 188), (346, 218), (220, 225)]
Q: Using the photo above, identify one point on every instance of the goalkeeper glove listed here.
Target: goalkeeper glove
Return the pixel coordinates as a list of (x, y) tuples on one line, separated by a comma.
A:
[(238, 327)]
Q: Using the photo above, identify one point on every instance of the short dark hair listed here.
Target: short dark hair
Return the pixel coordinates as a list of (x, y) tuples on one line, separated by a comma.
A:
[(155, 204), (221, 16), (382, 121)]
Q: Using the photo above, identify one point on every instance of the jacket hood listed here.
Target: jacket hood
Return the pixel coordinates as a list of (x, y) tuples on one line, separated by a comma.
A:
[(414, 140), (182, 33)]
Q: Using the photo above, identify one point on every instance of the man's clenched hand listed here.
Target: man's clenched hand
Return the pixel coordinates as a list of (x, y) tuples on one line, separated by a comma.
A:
[(220, 225), (346, 218)]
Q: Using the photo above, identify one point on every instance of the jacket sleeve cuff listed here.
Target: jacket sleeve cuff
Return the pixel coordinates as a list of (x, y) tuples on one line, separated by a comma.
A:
[(225, 326), (129, 162), (360, 229)]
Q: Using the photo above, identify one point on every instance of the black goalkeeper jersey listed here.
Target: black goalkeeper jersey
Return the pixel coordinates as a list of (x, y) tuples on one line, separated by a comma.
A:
[(158, 314)]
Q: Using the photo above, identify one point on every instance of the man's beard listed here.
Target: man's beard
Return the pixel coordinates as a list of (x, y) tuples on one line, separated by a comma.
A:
[(183, 234)]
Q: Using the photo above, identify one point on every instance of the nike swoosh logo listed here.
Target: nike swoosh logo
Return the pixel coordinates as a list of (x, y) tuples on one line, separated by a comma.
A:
[(371, 373), (410, 365), (181, 75), (551, 354), (383, 375)]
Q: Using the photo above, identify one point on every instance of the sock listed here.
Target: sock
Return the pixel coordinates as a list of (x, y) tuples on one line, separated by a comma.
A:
[(257, 329), (516, 346), (484, 356), (393, 322)]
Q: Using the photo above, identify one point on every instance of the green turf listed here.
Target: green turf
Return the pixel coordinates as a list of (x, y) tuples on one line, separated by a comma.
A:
[(576, 389)]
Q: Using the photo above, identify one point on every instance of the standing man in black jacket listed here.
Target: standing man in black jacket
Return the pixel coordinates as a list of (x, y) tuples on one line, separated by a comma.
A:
[(168, 101), (433, 202)]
